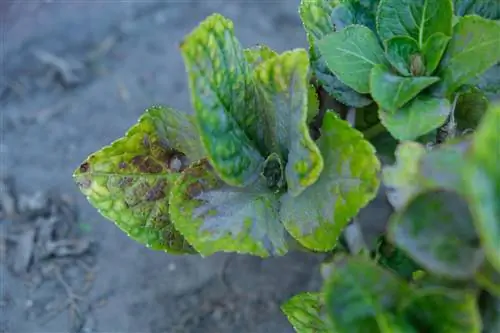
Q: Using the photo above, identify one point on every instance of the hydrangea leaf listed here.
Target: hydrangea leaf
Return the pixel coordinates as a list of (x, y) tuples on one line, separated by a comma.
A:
[(489, 81), (283, 90), (418, 19), (399, 52), (445, 310), (486, 8), (436, 229), (348, 182), (316, 18), (472, 50), (129, 181), (482, 177), (222, 94), (304, 311), (352, 12), (422, 115), (433, 51), (391, 91), (257, 54), (215, 217), (470, 108), (361, 296), (351, 53)]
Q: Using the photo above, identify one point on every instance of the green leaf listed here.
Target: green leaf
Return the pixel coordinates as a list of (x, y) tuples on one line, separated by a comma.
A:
[(470, 108), (351, 53), (352, 12), (482, 177), (348, 182), (221, 84), (283, 93), (392, 92), (488, 278), (418, 19), (257, 54), (472, 50), (360, 296), (304, 313), (436, 230), (399, 52), (490, 313), (215, 217), (433, 50), (392, 258), (445, 310), (486, 8), (420, 116), (128, 181), (316, 18), (312, 103), (489, 81)]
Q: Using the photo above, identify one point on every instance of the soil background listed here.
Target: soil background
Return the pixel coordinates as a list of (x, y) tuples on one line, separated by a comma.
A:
[(74, 76)]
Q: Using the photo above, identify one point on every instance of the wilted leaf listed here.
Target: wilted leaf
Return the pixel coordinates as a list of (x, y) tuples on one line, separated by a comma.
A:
[(433, 51), (418, 19), (304, 311), (223, 95), (351, 53), (444, 310), (392, 92), (482, 177), (283, 93), (399, 51), (422, 115), (470, 108), (316, 18), (472, 50), (129, 181), (489, 9), (360, 296), (437, 231), (348, 182), (215, 217)]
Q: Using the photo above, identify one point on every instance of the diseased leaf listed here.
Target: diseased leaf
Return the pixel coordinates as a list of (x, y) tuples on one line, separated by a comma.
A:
[(488, 278), (304, 311), (445, 310), (351, 53), (482, 177), (352, 12), (222, 96), (472, 50), (283, 93), (316, 18), (399, 52), (436, 230), (348, 182), (418, 19), (392, 92), (470, 108), (215, 217), (433, 50), (257, 54), (489, 9), (422, 115), (360, 296), (128, 181)]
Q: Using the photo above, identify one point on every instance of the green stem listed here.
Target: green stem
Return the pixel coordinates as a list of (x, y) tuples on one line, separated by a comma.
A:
[(374, 131)]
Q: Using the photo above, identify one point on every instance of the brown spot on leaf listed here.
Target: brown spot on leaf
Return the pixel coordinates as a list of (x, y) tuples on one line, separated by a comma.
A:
[(145, 141), (122, 165), (146, 164), (84, 167), (194, 189), (84, 183), (156, 192)]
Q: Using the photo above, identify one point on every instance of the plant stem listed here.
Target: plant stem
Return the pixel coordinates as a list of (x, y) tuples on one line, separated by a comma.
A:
[(374, 131)]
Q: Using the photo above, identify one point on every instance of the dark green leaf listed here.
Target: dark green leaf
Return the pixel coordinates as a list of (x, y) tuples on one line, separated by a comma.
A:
[(433, 51), (394, 259), (482, 178), (490, 306), (351, 54), (399, 51), (315, 15), (304, 313), (472, 50), (129, 180), (221, 84), (215, 217), (283, 92), (489, 9), (437, 231), (418, 19), (360, 297), (422, 115), (444, 310), (348, 182), (488, 278), (391, 92), (352, 12), (470, 108), (489, 81)]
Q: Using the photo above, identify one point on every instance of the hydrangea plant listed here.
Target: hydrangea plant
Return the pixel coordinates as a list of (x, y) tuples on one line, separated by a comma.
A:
[(264, 165)]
